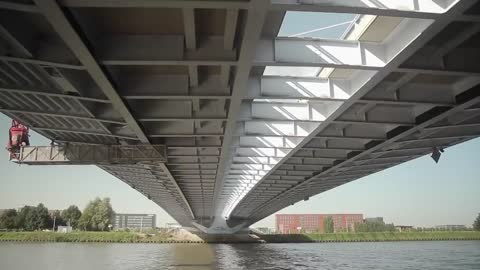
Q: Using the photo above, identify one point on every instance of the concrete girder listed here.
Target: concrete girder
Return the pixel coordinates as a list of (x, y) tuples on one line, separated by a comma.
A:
[(157, 4), (54, 14), (278, 110), (381, 159), (84, 154), (62, 26), (19, 7), (50, 94), (322, 53), (43, 113), (18, 47), (228, 42), (257, 13), (395, 139), (176, 49), (428, 9), (174, 86), (437, 71), (396, 55), (134, 50), (298, 88), (274, 128), (253, 166), (41, 62), (82, 131)]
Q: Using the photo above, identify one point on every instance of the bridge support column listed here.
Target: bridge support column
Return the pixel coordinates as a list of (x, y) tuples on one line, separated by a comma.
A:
[(220, 226)]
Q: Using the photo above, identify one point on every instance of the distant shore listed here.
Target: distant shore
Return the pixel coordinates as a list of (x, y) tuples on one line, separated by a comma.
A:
[(132, 237), (373, 237)]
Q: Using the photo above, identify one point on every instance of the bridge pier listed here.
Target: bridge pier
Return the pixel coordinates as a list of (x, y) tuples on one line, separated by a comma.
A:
[(220, 226)]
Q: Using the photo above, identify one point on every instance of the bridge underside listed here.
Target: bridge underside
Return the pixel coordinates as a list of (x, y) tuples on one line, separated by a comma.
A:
[(252, 122)]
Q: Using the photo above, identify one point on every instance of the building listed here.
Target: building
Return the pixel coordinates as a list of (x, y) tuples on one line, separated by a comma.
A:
[(451, 227), (134, 221), (64, 229), (375, 220), (297, 223)]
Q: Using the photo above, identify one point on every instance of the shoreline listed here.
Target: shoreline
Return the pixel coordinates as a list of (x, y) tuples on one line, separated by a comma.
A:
[(131, 237), (374, 237)]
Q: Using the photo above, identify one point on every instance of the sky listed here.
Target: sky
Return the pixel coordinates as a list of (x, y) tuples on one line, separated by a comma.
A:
[(332, 25), (418, 192)]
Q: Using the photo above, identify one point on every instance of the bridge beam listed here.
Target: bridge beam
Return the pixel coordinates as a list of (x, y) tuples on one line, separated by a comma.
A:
[(55, 16), (405, 9), (256, 16), (74, 154), (407, 38), (323, 53)]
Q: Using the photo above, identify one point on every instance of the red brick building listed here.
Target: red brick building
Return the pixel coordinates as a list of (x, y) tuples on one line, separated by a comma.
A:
[(296, 223)]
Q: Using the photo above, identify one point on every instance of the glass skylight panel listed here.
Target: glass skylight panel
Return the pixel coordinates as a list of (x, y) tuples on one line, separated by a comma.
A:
[(315, 24), (312, 25)]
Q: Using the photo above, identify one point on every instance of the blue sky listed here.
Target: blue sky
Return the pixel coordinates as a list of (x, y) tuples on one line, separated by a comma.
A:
[(299, 22), (418, 192)]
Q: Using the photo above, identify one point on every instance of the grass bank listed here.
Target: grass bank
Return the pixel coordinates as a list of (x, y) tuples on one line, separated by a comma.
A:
[(106, 237), (133, 237), (373, 237)]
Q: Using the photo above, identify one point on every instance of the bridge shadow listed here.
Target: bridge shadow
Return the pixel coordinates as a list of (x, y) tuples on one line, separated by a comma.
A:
[(252, 237), (238, 238), (285, 238)]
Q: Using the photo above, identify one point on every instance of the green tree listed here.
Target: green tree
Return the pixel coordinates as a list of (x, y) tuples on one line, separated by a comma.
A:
[(41, 218), (8, 219), (476, 224), (374, 226), (328, 224), (97, 215), (72, 215), (32, 218), (25, 218)]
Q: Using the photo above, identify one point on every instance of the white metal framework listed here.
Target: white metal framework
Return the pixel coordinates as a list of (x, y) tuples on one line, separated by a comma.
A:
[(77, 154), (242, 143)]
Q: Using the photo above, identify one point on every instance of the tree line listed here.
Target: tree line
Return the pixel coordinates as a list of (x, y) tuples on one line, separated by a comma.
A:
[(97, 216), (366, 226), (476, 223), (374, 226)]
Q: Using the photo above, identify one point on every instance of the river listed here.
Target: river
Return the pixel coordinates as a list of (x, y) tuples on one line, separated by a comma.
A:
[(433, 255)]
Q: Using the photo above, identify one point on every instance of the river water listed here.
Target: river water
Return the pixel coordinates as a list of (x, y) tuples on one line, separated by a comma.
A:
[(386, 255)]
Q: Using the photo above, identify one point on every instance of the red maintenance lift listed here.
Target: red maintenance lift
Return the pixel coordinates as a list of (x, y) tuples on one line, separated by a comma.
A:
[(17, 138)]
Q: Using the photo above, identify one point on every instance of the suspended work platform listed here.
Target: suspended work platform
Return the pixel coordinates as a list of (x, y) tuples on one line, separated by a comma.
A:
[(82, 154)]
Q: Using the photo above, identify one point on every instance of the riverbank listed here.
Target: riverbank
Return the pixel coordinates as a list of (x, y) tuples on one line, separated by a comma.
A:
[(372, 237), (93, 237), (133, 237)]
